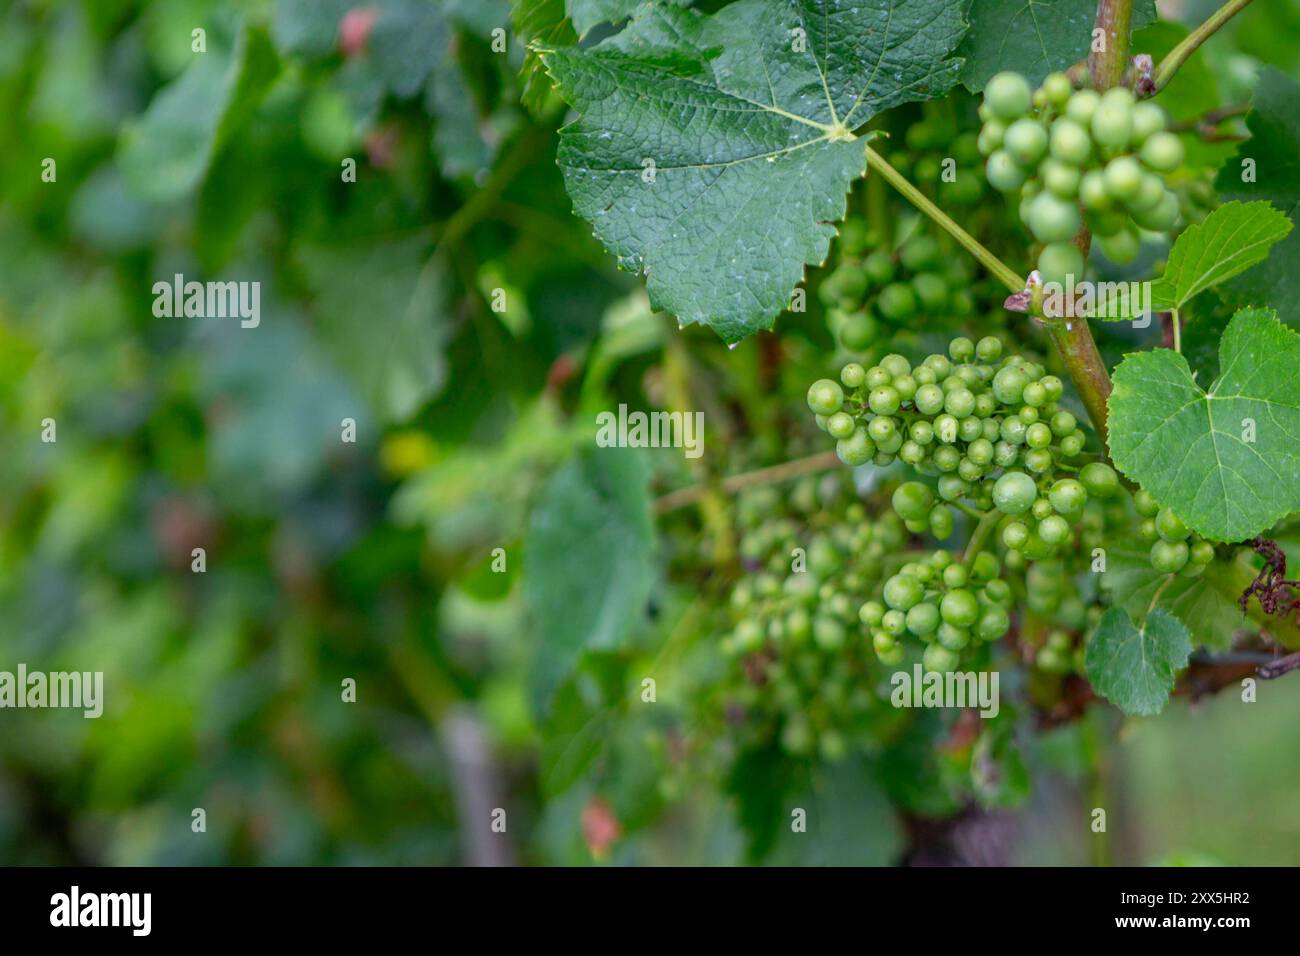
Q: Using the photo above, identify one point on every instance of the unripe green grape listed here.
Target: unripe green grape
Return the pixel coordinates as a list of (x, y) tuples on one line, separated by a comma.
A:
[(884, 400), (889, 445), (946, 458), (1002, 172), (894, 622), (897, 302), (1150, 191), (1072, 444), (902, 592), (1014, 493), (1169, 557), (1034, 395), (911, 453), (929, 399), (1038, 435), (959, 608), (1007, 95), (840, 425), (961, 349), (941, 522), (1148, 119), (952, 487), (1112, 120), (921, 432), (1099, 479), (1026, 141), (1093, 193), (985, 567), (945, 427), (1068, 497), (1008, 385), (1059, 261), (1056, 87), (871, 613), (1060, 179), (919, 253), (912, 500), (853, 375), (1063, 423), (932, 292), (969, 471), (1146, 504), (882, 642), (1121, 247), (923, 619), (1004, 453), (1055, 387), (1069, 142), (1146, 530), (825, 397), (879, 267), (1170, 527), (1054, 529), (896, 365), (1162, 152), (952, 638), (988, 349), (954, 576), (993, 623), (939, 658), (905, 386), (1161, 217), (1028, 415), (1123, 178), (980, 451), (939, 364), (1201, 552), (1082, 104), (858, 331), (1015, 535), (881, 429), (959, 402), (857, 449), (1013, 431), (1052, 219), (1038, 460), (990, 138)]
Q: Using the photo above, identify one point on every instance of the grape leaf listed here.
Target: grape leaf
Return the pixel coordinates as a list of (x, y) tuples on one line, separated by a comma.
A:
[(586, 14), (1274, 169), (166, 151), (1206, 604), (1227, 461), (1134, 667), (1226, 243), (587, 560), (1033, 37), (746, 116), (540, 24)]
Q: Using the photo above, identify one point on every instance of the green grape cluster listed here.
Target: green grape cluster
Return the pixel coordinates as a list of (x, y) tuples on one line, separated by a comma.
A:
[(1068, 149), (1052, 597), (810, 553), (1042, 512), (948, 604), (1174, 548), (989, 427), (868, 290)]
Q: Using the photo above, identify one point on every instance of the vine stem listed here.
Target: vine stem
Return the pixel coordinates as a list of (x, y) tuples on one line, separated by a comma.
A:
[(1179, 54), (734, 483), (979, 535), (918, 199)]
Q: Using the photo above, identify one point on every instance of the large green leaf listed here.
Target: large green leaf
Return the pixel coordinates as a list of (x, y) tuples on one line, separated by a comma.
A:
[(1226, 460), (1274, 152), (1134, 667), (747, 116), (1033, 37), (165, 152), (587, 560), (1226, 243)]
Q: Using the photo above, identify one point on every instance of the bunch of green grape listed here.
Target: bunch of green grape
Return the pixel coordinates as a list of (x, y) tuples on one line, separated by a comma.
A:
[(868, 290), (811, 553), (988, 427), (950, 604), (1066, 149)]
